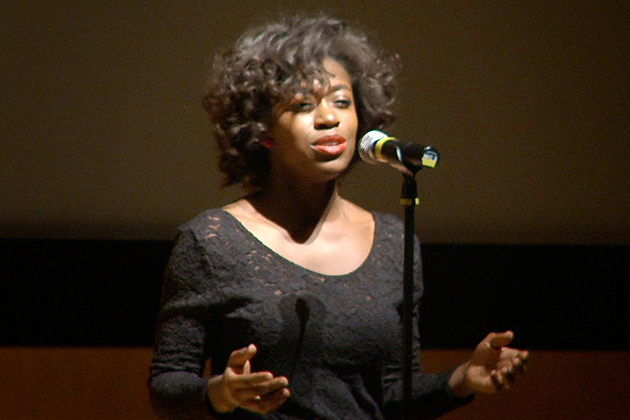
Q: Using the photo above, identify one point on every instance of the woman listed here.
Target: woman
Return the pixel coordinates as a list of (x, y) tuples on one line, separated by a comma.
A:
[(292, 294)]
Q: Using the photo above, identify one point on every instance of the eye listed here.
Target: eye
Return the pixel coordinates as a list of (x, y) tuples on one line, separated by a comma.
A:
[(302, 106), (341, 99), (343, 103)]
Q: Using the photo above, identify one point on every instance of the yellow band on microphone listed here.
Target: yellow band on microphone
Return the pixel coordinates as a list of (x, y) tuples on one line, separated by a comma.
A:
[(409, 201), (379, 145)]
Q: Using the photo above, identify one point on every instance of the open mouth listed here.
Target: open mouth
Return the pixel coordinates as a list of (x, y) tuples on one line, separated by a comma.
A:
[(330, 145)]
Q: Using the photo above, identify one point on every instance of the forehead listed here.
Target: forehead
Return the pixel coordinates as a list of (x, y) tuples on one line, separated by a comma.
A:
[(337, 71), (334, 78)]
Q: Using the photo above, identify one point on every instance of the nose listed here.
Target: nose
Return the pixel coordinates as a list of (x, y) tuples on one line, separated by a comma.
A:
[(325, 116)]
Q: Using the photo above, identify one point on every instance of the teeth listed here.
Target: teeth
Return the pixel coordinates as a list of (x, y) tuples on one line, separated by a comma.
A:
[(330, 141)]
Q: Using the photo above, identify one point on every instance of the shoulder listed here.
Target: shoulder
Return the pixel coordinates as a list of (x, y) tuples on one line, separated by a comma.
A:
[(390, 235), (203, 256), (212, 233), (213, 240), (208, 224), (389, 224)]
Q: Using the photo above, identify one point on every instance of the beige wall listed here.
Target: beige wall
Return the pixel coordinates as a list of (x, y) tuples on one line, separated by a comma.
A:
[(102, 135)]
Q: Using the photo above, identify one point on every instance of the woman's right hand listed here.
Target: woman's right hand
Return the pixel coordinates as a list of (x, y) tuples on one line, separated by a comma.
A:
[(260, 392)]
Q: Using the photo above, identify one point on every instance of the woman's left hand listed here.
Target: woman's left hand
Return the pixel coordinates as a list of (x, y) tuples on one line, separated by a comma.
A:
[(493, 366)]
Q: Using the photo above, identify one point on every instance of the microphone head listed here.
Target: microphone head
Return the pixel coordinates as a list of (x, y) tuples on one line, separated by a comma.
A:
[(366, 145)]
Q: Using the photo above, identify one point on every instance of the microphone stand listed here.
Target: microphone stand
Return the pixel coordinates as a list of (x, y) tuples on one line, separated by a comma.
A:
[(409, 199), (372, 150)]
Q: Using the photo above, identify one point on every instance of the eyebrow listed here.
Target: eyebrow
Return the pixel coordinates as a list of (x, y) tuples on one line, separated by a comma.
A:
[(331, 90), (336, 88), (340, 87)]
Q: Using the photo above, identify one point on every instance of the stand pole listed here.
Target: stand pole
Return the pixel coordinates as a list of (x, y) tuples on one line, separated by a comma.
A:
[(409, 199)]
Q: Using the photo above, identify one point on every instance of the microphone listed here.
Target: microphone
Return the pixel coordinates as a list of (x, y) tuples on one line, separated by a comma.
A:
[(376, 147)]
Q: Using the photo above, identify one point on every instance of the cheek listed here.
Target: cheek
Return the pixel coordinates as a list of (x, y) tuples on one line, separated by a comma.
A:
[(352, 144), (291, 130), (353, 119), (353, 131)]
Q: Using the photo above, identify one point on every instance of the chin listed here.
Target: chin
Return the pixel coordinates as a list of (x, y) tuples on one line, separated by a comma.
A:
[(332, 172)]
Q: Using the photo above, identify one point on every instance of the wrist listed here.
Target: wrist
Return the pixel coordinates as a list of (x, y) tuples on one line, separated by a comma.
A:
[(458, 384)]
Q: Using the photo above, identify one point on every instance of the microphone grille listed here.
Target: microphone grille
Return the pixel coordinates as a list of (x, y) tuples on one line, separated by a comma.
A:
[(366, 145)]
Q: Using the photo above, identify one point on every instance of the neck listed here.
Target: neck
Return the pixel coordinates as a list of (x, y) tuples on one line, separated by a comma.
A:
[(298, 209)]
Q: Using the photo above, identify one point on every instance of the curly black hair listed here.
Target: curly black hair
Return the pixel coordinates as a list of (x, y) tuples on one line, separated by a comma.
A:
[(269, 65)]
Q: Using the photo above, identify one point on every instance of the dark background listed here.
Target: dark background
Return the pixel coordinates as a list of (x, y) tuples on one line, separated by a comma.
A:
[(106, 293), (104, 150)]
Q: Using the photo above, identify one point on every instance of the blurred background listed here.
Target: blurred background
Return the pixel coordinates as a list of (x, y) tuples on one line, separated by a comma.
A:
[(105, 150), (103, 135)]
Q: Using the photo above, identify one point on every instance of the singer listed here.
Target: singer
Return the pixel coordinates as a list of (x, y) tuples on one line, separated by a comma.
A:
[(291, 295)]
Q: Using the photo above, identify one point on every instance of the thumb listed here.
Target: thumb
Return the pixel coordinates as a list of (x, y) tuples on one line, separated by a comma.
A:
[(498, 340), (239, 358)]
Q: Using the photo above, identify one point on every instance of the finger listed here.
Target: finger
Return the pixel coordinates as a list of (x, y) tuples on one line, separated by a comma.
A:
[(523, 366), (267, 403), (244, 381), (497, 380), (239, 357), (508, 375), (252, 387), (274, 400), (260, 398), (498, 340), (516, 353), (518, 365), (272, 386), (524, 356)]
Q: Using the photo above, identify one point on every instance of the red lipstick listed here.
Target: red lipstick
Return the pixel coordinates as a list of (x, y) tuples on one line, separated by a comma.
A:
[(332, 145)]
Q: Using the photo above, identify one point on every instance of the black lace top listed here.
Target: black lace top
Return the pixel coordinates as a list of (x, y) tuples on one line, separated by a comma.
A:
[(337, 338)]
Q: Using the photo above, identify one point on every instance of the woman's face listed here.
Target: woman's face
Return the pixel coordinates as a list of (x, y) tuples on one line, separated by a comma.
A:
[(315, 134)]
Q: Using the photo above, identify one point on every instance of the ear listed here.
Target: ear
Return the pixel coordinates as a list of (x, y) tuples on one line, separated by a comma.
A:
[(267, 143)]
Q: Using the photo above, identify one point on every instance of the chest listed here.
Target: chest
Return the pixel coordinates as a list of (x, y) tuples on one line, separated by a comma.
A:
[(300, 317), (332, 255), (332, 247)]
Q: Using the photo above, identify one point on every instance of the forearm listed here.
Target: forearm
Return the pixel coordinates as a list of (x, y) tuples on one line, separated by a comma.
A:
[(432, 395), (176, 395)]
